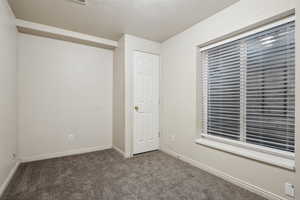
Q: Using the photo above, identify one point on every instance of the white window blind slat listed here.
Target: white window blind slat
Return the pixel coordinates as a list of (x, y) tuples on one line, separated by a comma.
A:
[(271, 86), (223, 89)]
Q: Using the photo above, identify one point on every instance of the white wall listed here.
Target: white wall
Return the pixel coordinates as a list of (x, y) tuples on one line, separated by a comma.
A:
[(119, 96), (132, 44), (64, 88), (8, 67), (179, 106)]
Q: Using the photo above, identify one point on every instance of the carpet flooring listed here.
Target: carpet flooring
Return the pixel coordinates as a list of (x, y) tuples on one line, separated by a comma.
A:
[(106, 175)]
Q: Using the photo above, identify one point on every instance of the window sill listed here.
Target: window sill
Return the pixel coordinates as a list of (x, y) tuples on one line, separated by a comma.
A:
[(286, 163)]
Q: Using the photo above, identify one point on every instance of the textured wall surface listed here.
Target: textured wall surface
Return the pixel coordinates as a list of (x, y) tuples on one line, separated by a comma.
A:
[(8, 90), (119, 96), (65, 96)]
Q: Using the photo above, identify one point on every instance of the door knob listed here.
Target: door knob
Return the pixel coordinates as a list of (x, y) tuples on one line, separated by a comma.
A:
[(136, 108)]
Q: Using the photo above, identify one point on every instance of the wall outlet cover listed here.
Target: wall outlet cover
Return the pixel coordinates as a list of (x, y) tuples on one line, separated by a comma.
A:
[(13, 156), (289, 189), (71, 137), (173, 137)]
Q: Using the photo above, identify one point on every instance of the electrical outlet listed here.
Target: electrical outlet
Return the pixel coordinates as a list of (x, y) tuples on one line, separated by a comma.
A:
[(289, 189), (71, 137), (13, 156), (173, 137)]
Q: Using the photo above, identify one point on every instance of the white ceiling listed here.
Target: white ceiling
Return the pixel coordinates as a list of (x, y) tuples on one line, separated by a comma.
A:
[(157, 20)]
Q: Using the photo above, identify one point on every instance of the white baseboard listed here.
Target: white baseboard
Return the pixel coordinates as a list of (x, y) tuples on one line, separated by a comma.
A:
[(65, 153), (9, 177), (248, 186), (120, 151)]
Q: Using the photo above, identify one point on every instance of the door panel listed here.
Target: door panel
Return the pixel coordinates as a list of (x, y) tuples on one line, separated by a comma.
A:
[(146, 101)]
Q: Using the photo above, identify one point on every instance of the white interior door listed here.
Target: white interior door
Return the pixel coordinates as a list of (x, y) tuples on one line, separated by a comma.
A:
[(146, 102)]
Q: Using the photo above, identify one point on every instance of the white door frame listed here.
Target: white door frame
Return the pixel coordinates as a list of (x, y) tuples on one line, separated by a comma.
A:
[(130, 105)]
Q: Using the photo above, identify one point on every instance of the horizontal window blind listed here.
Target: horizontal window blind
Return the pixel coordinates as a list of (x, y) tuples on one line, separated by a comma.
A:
[(270, 118), (223, 84), (249, 89)]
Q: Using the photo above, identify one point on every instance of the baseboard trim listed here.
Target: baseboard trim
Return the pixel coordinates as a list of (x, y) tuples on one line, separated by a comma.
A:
[(120, 151), (248, 186), (9, 177), (63, 154)]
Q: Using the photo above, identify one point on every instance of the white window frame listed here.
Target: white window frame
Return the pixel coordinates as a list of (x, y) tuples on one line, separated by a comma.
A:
[(263, 154)]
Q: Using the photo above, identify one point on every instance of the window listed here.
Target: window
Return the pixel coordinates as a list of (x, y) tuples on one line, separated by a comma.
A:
[(249, 89)]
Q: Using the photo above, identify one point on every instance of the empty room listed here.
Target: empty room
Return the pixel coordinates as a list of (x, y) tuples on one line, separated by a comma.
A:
[(149, 100)]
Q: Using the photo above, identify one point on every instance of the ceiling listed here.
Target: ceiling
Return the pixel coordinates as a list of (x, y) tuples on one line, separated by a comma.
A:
[(156, 20)]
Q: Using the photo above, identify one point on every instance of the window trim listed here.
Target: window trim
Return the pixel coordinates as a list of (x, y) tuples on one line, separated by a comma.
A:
[(249, 151), (263, 154), (251, 32)]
